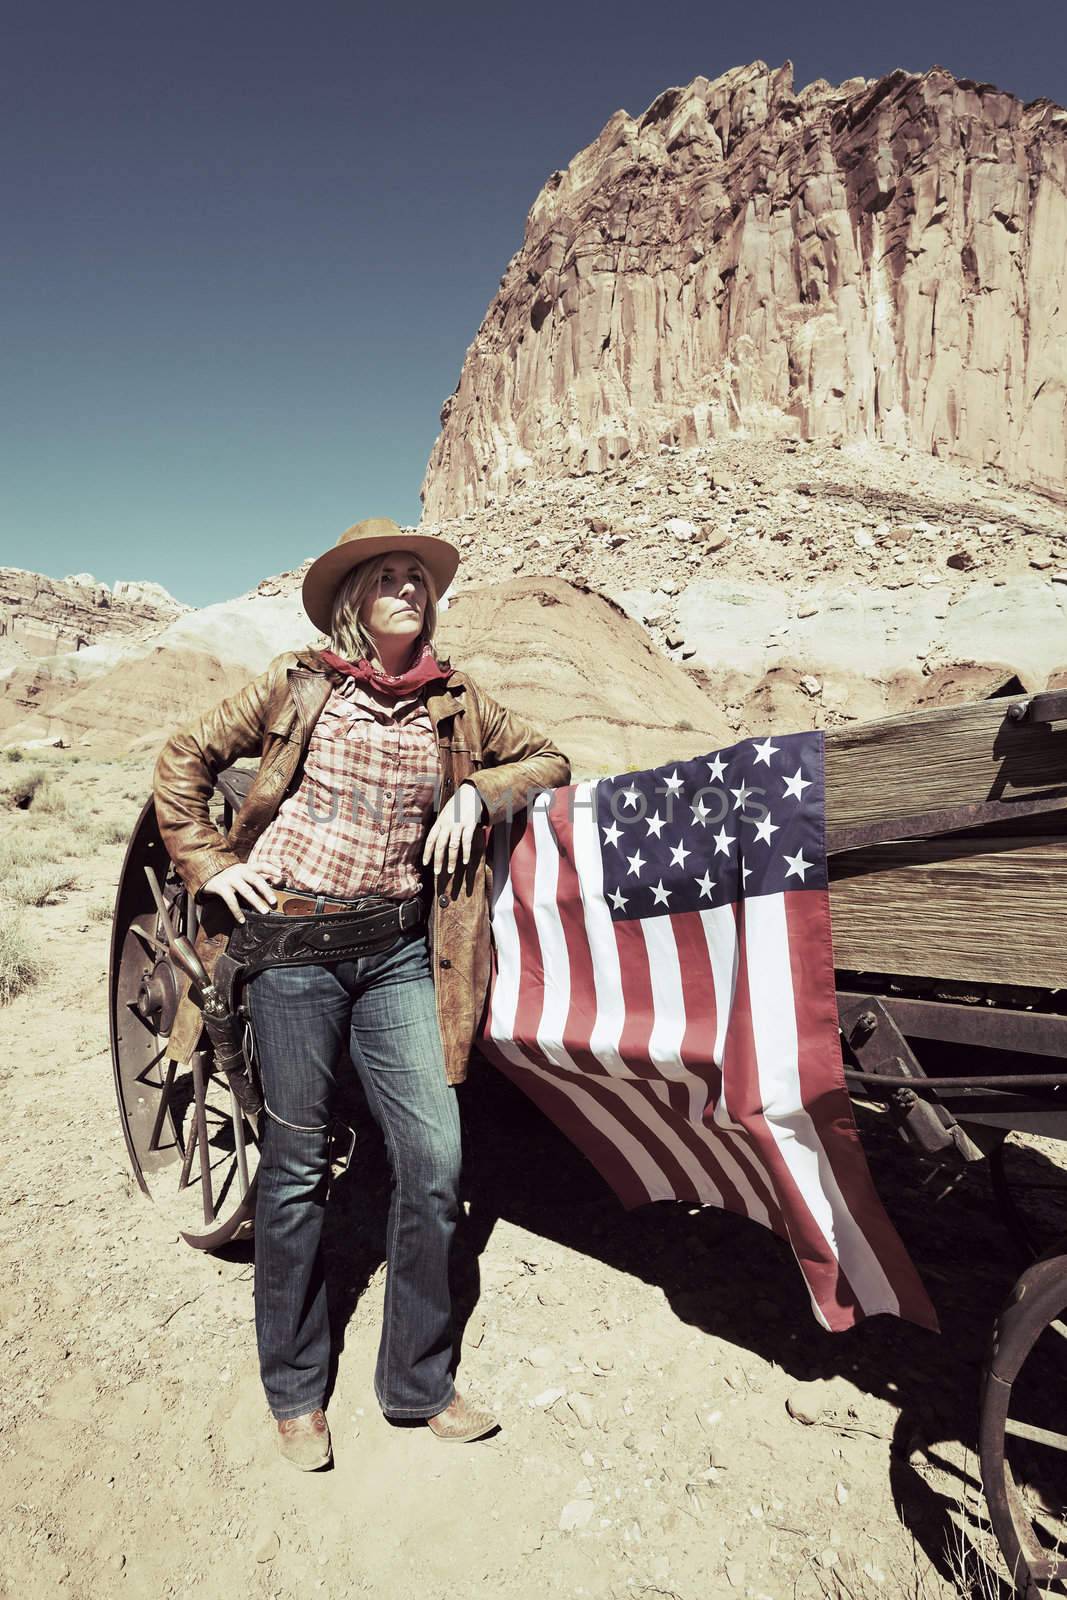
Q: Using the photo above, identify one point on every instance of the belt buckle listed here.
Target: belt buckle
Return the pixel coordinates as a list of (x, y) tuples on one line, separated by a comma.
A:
[(409, 915)]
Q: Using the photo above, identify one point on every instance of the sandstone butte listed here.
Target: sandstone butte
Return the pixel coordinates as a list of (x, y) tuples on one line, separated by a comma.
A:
[(768, 415), (884, 261)]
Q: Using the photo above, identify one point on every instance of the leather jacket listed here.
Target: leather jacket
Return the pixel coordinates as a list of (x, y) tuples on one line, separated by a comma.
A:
[(272, 718)]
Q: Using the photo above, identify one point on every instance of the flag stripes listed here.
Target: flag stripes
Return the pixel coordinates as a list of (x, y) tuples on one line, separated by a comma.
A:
[(692, 1056)]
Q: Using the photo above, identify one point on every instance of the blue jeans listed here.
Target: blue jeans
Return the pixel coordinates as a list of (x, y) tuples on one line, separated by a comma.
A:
[(381, 1008)]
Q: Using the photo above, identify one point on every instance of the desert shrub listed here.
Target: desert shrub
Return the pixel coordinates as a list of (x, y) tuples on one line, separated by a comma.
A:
[(13, 753), (101, 911), (114, 832), (38, 885), (20, 788), (52, 799), (21, 962)]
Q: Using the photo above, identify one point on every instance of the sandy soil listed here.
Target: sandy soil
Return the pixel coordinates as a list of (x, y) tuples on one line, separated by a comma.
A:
[(640, 1364)]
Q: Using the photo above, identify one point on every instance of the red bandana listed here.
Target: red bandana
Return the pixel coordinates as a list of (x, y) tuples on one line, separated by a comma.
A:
[(425, 669)]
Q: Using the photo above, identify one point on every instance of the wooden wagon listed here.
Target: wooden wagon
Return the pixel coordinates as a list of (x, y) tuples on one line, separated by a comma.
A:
[(947, 846)]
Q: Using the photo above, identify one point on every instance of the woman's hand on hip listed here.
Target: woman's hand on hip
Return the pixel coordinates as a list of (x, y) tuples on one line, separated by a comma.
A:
[(453, 830), (245, 882)]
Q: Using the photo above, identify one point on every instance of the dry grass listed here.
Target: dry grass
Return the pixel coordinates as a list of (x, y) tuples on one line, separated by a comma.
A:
[(18, 790), (21, 963), (39, 886), (100, 910)]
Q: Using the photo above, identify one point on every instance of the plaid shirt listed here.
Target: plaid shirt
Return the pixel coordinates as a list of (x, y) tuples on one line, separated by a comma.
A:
[(358, 820)]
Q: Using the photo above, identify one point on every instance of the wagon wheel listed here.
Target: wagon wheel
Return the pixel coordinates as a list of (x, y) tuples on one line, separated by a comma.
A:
[(1031, 1195), (1023, 1455), (191, 1148)]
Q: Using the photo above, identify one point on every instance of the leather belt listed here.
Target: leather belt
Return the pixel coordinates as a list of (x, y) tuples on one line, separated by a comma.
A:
[(309, 905), (361, 927)]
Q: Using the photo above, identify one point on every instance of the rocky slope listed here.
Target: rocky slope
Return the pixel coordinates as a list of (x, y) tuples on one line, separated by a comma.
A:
[(884, 261), (803, 585), (42, 616), (539, 644)]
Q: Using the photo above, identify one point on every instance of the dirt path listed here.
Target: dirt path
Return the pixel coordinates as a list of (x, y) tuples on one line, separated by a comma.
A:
[(640, 1364)]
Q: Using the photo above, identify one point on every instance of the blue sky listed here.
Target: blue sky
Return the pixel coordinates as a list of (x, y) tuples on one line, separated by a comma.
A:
[(246, 245)]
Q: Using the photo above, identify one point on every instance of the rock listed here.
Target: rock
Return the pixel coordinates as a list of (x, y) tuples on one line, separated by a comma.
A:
[(828, 1558), (863, 539), (575, 1514), (680, 528), (735, 1574), (716, 539), (807, 1403), (961, 560), (810, 684), (546, 1398), (807, 610), (542, 1355), (1059, 577), (268, 1547), (1040, 563), (582, 1407)]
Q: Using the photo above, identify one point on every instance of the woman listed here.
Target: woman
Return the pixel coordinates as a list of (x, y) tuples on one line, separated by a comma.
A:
[(337, 839)]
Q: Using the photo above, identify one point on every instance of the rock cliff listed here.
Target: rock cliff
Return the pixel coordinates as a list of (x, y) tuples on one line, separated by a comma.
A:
[(883, 261), (53, 616)]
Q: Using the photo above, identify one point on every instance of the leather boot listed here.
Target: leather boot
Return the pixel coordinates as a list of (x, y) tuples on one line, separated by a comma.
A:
[(461, 1422), (305, 1441)]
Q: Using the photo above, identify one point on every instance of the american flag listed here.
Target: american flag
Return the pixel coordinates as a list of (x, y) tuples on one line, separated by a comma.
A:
[(663, 990)]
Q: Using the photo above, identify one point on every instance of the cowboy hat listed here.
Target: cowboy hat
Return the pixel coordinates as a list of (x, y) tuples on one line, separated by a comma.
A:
[(359, 543)]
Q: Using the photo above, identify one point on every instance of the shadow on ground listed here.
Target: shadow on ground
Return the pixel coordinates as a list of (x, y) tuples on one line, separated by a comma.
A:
[(721, 1273)]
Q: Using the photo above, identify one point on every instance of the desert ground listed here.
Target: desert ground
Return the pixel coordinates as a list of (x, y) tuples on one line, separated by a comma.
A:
[(645, 1366)]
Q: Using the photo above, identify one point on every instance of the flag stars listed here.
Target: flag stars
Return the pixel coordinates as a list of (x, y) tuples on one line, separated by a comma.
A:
[(655, 824), (717, 768), (763, 752), (701, 813), (635, 863), (630, 797), (618, 900), (723, 841), (678, 855), (746, 873), (612, 834), (765, 828), (740, 796), (673, 784), (797, 865), (796, 785), (660, 895), (706, 884)]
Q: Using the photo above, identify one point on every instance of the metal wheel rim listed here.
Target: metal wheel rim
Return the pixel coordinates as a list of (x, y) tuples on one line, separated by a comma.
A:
[(1036, 1308)]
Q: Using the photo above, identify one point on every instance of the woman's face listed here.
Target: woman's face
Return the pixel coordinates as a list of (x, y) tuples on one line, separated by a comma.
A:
[(396, 608)]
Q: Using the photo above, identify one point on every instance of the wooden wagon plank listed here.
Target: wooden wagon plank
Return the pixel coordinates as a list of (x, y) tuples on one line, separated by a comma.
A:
[(955, 755), (980, 910)]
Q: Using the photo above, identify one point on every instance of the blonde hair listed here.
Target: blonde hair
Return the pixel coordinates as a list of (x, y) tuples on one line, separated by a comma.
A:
[(347, 633)]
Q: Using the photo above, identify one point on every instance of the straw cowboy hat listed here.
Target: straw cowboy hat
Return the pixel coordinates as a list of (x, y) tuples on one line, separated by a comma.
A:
[(358, 543)]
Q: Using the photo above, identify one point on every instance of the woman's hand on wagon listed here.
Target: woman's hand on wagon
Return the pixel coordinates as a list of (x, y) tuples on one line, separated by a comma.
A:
[(244, 881), (453, 830)]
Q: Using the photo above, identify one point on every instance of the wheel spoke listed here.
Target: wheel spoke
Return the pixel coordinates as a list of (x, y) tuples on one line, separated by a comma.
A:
[(187, 1159), (200, 1089), (164, 1103), (157, 947), (1026, 1430), (241, 1152)]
